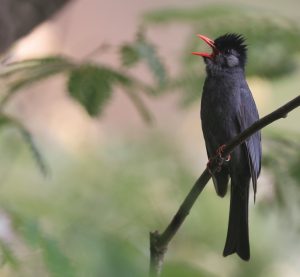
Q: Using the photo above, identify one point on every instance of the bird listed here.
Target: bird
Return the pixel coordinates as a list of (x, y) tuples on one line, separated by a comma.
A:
[(228, 108)]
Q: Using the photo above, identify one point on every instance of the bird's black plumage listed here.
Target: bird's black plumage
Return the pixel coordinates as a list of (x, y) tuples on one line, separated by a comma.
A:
[(227, 108)]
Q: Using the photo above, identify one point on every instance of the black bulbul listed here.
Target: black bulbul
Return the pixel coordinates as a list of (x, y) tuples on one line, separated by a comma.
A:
[(227, 108)]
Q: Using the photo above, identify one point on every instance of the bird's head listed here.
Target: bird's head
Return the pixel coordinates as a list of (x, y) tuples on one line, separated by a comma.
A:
[(228, 51)]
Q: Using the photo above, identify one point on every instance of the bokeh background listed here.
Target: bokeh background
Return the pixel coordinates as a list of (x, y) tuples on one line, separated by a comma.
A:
[(101, 140)]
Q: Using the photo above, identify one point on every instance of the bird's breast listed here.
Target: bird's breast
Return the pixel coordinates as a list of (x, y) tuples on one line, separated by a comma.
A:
[(219, 108)]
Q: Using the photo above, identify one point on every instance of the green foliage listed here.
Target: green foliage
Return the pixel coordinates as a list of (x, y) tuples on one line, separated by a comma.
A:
[(283, 160), (36, 153), (273, 40), (123, 253), (27, 66), (29, 232), (147, 52), (143, 50), (6, 120), (181, 269), (8, 256), (56, 261), (190, 15), (91, 86), (129, 55), (24, 73)]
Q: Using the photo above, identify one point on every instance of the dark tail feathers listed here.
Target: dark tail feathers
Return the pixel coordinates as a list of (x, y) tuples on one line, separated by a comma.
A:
[(220, 180), (238, 234)]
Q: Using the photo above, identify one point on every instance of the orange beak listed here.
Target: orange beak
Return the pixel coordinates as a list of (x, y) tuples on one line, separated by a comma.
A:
[(211, 43)]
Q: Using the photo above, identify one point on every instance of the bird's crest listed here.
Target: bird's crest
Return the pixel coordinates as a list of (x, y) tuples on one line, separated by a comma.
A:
[(232, 41)]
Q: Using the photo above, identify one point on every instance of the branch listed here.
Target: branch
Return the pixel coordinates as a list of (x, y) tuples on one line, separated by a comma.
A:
[(159, 242)]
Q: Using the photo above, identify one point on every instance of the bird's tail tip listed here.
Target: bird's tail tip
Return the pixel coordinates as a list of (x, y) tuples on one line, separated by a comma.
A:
[(244, 254)]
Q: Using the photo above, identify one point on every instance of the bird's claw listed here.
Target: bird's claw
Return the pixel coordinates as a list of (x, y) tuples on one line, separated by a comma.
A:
[(219, 160), (220, 151)]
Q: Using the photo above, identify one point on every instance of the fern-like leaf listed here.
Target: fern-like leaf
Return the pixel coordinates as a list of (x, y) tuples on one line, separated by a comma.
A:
[(28, 139), (143, 50), (21, 74)]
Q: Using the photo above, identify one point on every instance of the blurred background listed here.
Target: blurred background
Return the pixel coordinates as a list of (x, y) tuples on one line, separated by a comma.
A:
[(101, 138)]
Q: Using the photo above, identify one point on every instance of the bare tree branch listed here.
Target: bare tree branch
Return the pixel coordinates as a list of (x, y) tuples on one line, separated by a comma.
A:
[(159, 242)]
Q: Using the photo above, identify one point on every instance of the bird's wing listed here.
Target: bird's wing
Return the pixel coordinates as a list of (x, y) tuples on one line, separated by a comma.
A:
[(247, 116)]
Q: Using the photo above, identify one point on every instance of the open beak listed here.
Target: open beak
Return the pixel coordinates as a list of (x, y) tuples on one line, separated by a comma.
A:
[(211, 43)]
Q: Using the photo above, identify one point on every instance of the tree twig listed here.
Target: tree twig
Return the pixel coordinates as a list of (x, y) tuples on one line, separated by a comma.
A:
[(159, 242)]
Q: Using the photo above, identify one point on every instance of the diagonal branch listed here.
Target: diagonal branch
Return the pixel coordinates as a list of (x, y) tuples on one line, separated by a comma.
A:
[(159, 242)]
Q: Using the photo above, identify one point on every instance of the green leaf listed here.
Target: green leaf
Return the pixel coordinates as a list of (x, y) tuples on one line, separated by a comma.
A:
[(129, 55), (57, 262), (37, 155), (24, 73), (148, 52), (143, 50), (28, 139), (8, 255), (92, 87), (26, 66), (5, 120)]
